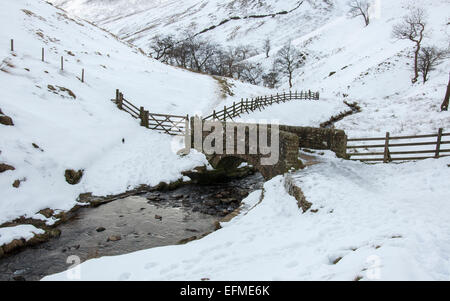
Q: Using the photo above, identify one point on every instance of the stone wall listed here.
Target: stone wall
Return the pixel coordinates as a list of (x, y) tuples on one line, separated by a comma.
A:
[(288, 153), (290, 140), (320, 138), (297, 193)]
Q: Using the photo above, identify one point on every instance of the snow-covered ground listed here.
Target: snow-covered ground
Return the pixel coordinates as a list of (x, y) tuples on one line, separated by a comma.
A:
[(85, 131), (22, 231), (139, 21), (297, 112), (384, 221), (374, 222), (369, 66)]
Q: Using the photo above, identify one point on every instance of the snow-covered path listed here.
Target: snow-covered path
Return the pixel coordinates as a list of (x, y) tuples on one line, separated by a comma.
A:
[(373, 222)]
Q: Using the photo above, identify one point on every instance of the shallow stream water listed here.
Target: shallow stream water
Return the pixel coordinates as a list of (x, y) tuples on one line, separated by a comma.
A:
[(131, 224)]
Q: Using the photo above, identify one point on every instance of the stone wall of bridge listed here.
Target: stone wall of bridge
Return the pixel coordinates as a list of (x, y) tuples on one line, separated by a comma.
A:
[(291, 139)]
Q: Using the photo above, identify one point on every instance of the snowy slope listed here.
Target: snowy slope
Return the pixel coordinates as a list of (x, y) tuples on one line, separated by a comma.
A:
[(344, 57), (375, 70), (374, 222), (85, 130), (386, 221), (140, 20)]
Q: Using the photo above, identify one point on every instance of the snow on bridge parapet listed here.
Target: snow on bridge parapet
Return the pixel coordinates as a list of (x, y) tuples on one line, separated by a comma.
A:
[(289, 139), (320, 138)]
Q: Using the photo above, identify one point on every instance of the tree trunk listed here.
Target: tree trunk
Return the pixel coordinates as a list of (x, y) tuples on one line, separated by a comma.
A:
[(416, 60), (444, 106)]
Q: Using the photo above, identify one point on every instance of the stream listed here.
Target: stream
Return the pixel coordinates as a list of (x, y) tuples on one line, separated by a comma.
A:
[(131, 224)]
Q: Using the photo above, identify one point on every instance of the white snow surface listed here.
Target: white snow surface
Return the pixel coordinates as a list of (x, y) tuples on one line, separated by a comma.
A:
[(374, 222), (8, 234), (386, 221), (371, 67), (86, 132)]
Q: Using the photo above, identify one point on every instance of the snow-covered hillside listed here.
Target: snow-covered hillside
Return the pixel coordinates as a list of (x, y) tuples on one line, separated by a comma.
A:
[(73, 124), (140, 20), (368, 222), (365, 64)]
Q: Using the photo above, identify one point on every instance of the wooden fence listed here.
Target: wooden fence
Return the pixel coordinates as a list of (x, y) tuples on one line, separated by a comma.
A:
[(169, 124), (410, 148), (177, 125), (81, 78), (258, 103)]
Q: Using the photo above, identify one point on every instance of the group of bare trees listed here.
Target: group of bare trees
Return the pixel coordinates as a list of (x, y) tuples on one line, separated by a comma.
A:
[(413, 27), (426, 58), (200, 55), (197, 54)]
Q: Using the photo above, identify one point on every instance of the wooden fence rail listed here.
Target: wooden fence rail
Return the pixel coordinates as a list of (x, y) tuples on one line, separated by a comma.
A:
[(169, 124), (382, 152), (259, 103), (177, 125)]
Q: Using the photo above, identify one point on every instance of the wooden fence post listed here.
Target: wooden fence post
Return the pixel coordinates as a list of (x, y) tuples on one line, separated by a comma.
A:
[(187, 134), (82, 75), (120, 101), (62, 63), (438, 143), (290, 95), (234, 109), (214, 115), (43, 54), (117, 95), (147, 117), (387, 155), (224, 113), (12, 44), (142, 115), (242, 105)]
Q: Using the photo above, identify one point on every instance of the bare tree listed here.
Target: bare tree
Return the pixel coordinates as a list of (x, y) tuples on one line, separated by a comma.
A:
[(444, 106), (271, 79), (360, 8), (201, 52), (244, 52), (267, 47), (161, 47), (412, 28), (429, 58), (251, 73), (288, 60)]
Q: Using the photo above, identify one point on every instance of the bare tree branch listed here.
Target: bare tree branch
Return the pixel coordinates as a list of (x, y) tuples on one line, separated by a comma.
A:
[(412, 28), (360, 8)]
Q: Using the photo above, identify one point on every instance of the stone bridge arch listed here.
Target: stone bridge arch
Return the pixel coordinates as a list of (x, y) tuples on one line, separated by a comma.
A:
[(287, 148), (290, 140)]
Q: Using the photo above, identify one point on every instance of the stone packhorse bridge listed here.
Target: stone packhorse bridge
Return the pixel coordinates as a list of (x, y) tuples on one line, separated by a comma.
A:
[(291, 139)]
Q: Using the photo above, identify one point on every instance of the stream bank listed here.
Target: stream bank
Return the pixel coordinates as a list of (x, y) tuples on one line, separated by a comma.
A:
[(136, 222)]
